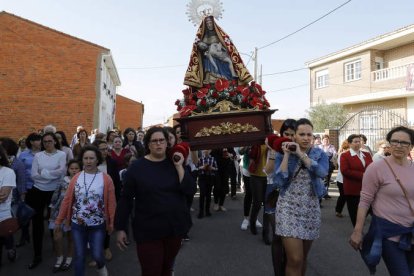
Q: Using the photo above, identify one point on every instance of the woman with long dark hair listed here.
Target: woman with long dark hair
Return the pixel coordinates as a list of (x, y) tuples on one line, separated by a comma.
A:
[(299, 173), (287, 130), (130, 142), (64, 146)]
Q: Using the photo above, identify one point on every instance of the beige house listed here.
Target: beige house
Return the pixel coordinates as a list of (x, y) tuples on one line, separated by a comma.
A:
[(373, 80)]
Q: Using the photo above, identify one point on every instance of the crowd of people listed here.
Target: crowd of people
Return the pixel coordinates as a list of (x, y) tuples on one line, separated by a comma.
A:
[(141, 185)]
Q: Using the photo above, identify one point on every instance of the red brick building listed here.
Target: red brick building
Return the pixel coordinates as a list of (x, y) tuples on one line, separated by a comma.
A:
[(129, 113), (49, 77)]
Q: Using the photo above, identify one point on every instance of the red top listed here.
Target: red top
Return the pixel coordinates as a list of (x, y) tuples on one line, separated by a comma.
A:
[(353, 170), (120, 159)]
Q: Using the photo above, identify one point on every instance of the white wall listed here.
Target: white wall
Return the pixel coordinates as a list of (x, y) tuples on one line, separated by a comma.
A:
[(410, 110), (108, 96)]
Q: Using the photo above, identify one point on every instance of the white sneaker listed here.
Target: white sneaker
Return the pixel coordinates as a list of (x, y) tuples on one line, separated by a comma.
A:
[(102, 271), (244, 224), (216, 207), (258, 224), (222, 209)]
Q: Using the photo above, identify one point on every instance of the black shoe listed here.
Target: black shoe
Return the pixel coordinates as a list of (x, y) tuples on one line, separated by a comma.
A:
[(56, 268), (253, 229), (36, 261), (23, 241), (12, 255), (266, 241), (65, 266)]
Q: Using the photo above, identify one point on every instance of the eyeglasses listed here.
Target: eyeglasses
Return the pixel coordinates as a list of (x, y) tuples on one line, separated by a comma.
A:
[(404, 144), (157, 141), (48, 141)]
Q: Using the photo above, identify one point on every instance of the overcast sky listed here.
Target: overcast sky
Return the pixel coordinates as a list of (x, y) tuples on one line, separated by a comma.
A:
[(157, 33)]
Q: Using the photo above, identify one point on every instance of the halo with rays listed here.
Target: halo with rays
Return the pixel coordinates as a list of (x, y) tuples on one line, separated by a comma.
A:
[(197, 10)]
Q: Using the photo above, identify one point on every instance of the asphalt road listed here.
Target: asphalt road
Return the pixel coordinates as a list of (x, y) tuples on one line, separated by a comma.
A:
[(218, 247)]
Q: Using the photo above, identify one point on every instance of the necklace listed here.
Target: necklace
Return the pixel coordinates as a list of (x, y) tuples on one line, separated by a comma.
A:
[(85, 200)]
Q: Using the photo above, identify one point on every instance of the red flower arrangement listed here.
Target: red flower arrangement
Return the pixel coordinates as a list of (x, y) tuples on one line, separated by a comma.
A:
[(248, 96)]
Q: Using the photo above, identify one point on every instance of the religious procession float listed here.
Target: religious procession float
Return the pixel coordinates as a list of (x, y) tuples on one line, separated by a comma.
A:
[(222, 105)]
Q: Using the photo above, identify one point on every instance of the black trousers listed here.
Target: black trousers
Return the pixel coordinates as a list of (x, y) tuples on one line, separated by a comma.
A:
[(39, 201), (340, 203), (352, 204), (221, 188), (233, 182), (247, 203), (205, 182), (258, 188)]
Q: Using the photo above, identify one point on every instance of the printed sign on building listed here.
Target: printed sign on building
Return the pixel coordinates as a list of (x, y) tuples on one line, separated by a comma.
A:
[(410, 77)]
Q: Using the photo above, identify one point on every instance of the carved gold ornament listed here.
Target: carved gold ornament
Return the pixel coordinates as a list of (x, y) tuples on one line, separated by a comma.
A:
[(226, 128), (224, 107)]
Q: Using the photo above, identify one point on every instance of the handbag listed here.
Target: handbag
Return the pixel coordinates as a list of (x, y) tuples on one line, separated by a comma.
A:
[(8, 227), (24, 213)]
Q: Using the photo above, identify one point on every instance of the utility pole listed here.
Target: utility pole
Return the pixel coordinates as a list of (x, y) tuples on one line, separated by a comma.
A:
[(261, 74), (255, 63)]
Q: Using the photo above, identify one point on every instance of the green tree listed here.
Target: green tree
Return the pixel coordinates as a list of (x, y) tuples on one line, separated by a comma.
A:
[(327, 116)]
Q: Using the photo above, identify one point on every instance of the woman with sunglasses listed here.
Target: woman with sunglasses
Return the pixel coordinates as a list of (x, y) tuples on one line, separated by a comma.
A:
[(159, 185), (48, 170)]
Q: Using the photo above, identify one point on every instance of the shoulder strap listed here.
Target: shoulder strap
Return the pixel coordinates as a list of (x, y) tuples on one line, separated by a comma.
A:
[(402, 187)]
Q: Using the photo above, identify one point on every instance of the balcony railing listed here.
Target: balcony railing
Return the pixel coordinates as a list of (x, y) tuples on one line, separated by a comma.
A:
[(390, 73)]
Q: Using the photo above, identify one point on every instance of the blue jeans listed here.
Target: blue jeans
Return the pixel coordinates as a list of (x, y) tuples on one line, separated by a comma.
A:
[(95, 236), (399, 262)]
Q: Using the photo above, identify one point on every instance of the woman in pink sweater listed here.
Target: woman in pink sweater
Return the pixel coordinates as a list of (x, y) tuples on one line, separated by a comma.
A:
[(391, 202)]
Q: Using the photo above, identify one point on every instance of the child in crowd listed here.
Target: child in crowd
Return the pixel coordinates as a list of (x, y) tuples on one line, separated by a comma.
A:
[(57, 198)]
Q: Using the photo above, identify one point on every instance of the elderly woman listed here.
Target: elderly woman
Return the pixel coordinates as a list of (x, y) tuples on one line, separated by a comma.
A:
[(48, 170), (89, 208), (383, 151), (162, 218), (299, 173), (353, 164), (386, 187)]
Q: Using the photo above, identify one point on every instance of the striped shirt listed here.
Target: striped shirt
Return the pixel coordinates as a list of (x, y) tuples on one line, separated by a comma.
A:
[(207, 160)]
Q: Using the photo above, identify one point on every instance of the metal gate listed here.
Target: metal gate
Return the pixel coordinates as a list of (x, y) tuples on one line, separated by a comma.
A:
[(373, 122)]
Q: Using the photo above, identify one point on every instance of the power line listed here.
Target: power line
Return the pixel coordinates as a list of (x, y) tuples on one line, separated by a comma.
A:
[(289, 88), (150, 67), (304, 27), (285, 72)]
